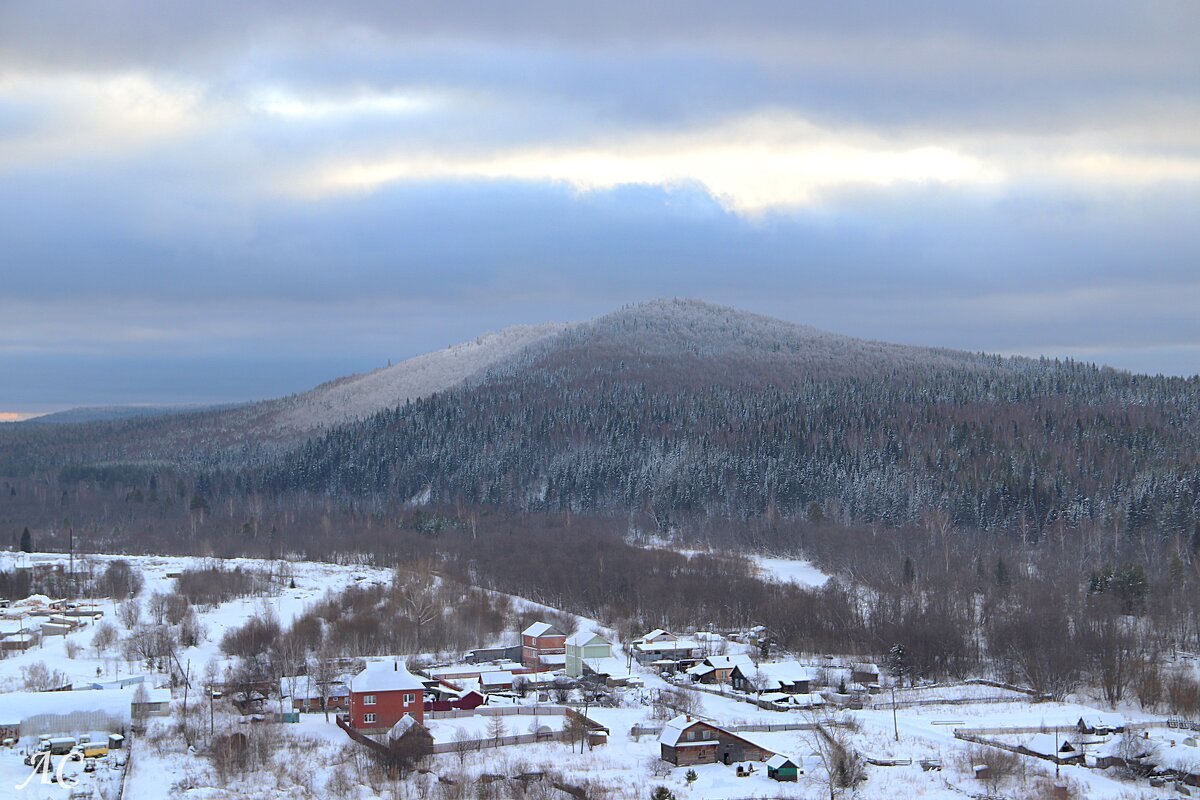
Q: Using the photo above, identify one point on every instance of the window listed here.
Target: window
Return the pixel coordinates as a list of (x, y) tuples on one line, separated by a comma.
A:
[(368, 719), (408, 698), (368, 699)]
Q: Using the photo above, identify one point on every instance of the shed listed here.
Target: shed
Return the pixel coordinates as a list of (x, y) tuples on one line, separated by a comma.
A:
[(1099, 723), (782, 768)]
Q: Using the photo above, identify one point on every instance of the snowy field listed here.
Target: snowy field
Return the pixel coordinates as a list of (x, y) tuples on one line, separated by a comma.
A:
[(790, 570), (313, 580), (315, 759)]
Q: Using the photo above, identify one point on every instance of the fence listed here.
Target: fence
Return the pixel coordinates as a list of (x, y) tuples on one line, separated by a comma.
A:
[(769, 727), (1183, 724), (501, 711), (883, 703), (128, 768), (1131, 726), (1009, 686), (471, 745), (468, 745), (766, 705), (74, 722), (765, 727)]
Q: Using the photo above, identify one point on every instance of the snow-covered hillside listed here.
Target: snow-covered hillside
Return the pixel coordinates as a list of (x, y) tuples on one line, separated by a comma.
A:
[(357, 396), (314, 759)]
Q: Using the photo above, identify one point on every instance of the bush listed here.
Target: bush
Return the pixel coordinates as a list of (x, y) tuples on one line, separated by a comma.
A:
[(257, 636), (209, 586), (37, 677), (120, 580)]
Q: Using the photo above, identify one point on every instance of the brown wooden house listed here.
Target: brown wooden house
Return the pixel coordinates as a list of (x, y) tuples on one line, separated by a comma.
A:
[(686, 741)]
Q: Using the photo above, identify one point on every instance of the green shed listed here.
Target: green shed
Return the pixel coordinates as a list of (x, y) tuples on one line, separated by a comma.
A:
[(782, 768)]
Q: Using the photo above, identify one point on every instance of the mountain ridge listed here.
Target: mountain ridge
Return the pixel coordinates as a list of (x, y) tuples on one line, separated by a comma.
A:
[(681, 408)]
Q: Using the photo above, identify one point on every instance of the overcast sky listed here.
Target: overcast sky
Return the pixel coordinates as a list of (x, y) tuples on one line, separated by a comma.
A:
[(229, 200)]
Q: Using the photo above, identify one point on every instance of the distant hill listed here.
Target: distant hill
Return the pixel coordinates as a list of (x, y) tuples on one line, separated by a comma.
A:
[(683, 409), (248, 433), (84, 414)]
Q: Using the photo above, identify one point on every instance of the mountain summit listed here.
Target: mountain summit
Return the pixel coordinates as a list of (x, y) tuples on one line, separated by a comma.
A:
[(680, 408)]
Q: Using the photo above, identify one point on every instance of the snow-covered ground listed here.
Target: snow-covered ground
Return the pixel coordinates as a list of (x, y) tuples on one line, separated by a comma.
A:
[(358, 396), (790, 570), (312, 579), (315, 759)]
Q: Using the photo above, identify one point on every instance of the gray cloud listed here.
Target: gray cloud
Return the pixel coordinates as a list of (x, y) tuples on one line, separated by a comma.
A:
[(148, 153)]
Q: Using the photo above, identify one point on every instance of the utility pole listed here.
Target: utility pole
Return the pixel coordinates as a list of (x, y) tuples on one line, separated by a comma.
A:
[(895, 721), (1056, 756)]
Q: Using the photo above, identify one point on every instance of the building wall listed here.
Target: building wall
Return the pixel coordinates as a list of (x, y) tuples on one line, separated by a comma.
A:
[(534, 646), (688, 756), (388, 708)]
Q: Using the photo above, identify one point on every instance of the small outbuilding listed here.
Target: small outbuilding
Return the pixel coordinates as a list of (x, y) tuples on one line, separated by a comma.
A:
[(782, 768), (1097, 723)]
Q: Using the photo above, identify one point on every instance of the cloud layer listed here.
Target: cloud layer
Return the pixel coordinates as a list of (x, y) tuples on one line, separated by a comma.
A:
[(321, 189)]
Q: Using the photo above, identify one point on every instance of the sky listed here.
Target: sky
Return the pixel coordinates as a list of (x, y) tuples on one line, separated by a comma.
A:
[(218, 201)]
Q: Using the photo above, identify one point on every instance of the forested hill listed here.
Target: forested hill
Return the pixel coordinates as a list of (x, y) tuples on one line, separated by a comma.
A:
[(251, 433), (679, 408)]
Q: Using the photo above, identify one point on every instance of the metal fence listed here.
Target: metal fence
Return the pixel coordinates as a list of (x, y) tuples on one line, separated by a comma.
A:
[(74, 722)]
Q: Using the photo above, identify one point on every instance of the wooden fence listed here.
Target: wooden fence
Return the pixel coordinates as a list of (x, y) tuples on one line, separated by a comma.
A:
[(468, 745), (128, 768), (472, 745), (765, 727), (502, 711), (1131, 726)]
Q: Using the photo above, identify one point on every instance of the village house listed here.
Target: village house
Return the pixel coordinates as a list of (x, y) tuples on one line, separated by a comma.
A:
[(686, 741), (865, 673), (305, 694), (22, 640), (499, 681), (153, 703), (1053, 748), (499, 676), (718, 669), (410, 736), (788, 677), (1096, 723), (584, 647), (665, 649), (543, 646), (442, 695), (49, 629), (383, 693)]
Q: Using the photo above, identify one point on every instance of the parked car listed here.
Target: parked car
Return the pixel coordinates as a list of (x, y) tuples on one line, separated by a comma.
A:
[(89, 765)]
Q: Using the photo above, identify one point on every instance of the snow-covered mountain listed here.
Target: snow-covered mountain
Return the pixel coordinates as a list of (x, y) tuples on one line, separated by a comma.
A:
[(358, 396), (692, 408)]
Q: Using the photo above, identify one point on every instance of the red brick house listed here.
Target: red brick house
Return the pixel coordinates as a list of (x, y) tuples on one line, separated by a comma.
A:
[(383, 693), (543, 646)]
